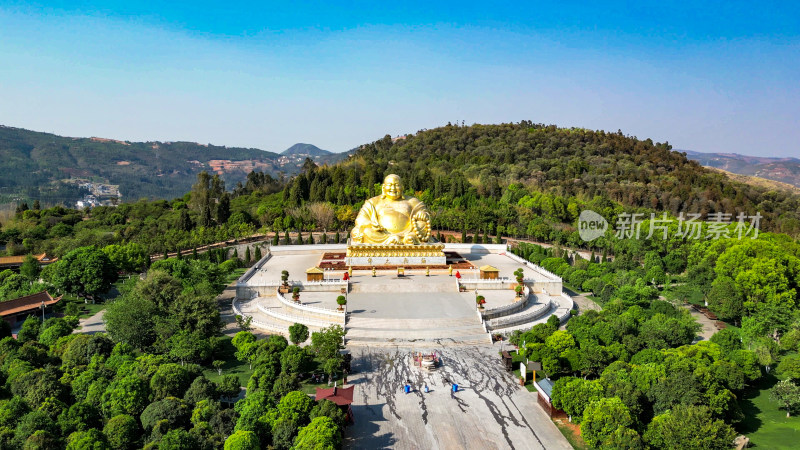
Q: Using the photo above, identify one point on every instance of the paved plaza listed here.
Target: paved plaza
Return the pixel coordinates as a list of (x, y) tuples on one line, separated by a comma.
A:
[(490, 411)]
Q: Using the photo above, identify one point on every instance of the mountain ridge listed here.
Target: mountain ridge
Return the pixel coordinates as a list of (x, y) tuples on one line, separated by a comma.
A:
[(52, 168), (305, 149), (781, 169)]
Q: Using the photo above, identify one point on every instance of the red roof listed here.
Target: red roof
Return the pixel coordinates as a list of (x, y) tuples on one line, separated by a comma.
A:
[(340, 396), (27, 303)]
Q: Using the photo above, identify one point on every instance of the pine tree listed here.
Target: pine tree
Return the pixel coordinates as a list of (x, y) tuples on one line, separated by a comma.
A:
[(286, 239), (258, 253), (324, 238), (166, 254), (224, 208), (311, 238), (464, 235), (337, 239), (247, 256), (299, 237), (235, 253), (275, 239)]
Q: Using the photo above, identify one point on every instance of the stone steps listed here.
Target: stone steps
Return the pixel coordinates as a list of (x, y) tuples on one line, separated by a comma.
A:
[(433, 332), (560, 308), (356, 321), (471, 340)]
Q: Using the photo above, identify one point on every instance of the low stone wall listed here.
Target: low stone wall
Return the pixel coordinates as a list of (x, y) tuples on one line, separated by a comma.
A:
[(510, 308), (476, 248), (334, 314), (534, 314)]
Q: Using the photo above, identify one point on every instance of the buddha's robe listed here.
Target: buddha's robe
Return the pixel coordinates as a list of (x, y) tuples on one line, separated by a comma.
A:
[(385, 221)]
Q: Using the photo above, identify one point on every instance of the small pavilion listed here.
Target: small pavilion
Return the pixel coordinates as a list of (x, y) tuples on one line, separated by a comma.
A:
[(315, 274), (489, 272)]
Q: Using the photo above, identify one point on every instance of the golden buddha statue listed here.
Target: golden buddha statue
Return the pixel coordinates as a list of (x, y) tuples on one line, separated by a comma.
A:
[(392, 218)]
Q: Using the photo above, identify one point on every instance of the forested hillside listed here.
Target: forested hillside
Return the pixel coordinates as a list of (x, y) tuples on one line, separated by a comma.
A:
[(526, 177), (44, 166)]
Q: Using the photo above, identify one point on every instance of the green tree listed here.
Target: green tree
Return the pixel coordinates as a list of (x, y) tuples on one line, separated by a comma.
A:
[(123, 432), (689, 427), (178, 439), (787, 395), (298, 333), (200, 389), (85, 271), (789, 368), (92, 439), (30, 329), (321, 434), (173, 410), (601, 418), (126, 395), (229, 386), (295, 360), (242, 440), (30, 268), (329, 409), (573, 395), (170, 380)]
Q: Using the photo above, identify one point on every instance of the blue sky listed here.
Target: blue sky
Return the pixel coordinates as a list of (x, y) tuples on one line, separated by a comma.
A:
[(716, 76)]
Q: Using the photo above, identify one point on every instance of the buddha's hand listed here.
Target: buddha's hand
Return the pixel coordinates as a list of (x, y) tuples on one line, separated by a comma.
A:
[(422, 216), (376, 225)]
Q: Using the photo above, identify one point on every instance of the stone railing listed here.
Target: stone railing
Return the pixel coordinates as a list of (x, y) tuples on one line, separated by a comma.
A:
[(510, 321), (569, 304), (258, 323), (334, 313), (510, 308), (294, 319), (534, 267), (254, 268)]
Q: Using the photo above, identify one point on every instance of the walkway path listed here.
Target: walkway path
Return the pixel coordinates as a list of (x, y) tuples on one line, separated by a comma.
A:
[(93, 324)]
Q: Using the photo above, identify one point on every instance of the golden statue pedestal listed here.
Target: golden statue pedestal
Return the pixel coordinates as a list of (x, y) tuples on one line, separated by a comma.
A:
[(428, 254)]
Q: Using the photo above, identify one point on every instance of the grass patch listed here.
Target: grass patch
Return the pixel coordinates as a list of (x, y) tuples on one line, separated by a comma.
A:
[(572, 436), (232, 365), (311, 388), (765, 424), (684, 292), (235, 275)]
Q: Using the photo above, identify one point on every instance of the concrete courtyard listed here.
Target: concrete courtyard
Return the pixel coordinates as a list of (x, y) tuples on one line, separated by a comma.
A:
[(490, 411)]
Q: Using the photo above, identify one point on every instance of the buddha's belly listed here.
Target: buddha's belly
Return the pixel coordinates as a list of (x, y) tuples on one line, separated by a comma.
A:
[(393, 221)]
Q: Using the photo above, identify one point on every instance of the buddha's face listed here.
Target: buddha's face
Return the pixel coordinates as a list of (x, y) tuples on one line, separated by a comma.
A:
[(392, 187)]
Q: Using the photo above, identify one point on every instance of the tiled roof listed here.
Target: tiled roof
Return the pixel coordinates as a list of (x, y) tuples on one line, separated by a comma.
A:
[(17, 260), (27, 303), (340, 396)]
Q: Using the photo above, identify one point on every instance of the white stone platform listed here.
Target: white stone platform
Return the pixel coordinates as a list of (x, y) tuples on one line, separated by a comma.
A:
[(386, 310)]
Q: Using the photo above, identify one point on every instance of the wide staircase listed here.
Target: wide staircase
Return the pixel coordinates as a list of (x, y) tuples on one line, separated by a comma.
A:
[(418, 333)]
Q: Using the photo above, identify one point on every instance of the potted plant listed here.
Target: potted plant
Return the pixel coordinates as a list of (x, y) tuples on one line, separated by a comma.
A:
[(519, 274), (341, 300), (296, 294), (480, 300), (285, 282)]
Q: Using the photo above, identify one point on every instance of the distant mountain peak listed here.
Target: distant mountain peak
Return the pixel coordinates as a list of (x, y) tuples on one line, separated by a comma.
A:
[(305, 149)]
